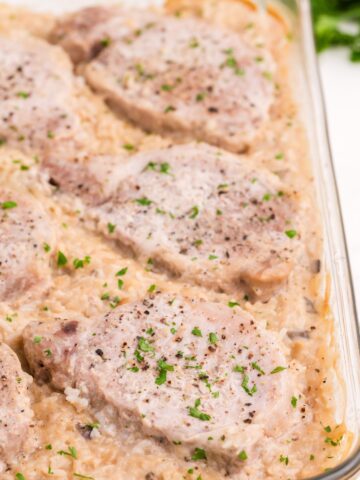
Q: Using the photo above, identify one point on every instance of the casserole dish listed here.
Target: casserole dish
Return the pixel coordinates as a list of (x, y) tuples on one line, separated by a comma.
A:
[(335, 276)]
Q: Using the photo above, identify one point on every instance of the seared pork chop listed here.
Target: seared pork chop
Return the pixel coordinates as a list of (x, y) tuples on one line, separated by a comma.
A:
[(25, 235), (205, 215), (15, 411), (185, 372), (173, 74), (36, 84)]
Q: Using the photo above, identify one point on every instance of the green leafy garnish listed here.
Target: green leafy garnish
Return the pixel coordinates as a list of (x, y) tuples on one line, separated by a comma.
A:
[(196, 413)]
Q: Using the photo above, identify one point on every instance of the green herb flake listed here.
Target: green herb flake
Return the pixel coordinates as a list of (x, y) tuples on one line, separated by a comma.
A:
[(196, 413), (245, 386), (233, 304), (71, 452), (152, 288), (294, 401), (23, 95), (291, 233), (20, 476), (129, 147), (144, 345), (111, 227), (198, 454), (46, 247), (61, 259), (169, 109), (194, 212), (283, 459), (196, 331), (37, 339), (255, 366), (80, 263), (121, 272), (213, 339), (8, 205), (145, 202), (278, 369), (242, 456), (163, 368)]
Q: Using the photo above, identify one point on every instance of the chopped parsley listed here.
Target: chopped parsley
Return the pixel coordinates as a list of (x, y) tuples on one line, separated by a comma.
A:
[(105, 42), (48, 352), (169, 108), (8, 205), (80, 263), (196, 413), (166, 87), (143, 201), (144, 345), (23, 95), (239, 369), (163, 368), (193, 43), (194, 212), (152, 288), (284, 459), (121, 272), (196, 331), (233, 304), (294, 401), (277, 369), (111, 227), (213, 339), (212, 257), (46, 247), (242, 456), (291, 233), (255, 366), (37, 339), (85, 477), (19, 476), (245, 386), (71, 452), (198, 454), (61, 259)]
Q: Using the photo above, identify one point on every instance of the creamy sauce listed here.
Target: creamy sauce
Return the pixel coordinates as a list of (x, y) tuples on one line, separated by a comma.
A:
[(299, 312)]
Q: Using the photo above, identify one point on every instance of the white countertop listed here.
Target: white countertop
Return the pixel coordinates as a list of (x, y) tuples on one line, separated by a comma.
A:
[(341, 81)]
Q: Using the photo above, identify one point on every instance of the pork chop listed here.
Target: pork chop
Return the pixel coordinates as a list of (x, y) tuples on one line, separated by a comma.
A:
[(206, 216), (201, 376), (36, 87), (15, 410), (25, 236), (173, 74)]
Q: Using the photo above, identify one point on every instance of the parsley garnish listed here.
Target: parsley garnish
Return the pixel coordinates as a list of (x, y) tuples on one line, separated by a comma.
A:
[(291, 233), (196, 331), (198, 454), (194, 212), (121, 272), (196, 413), (8, 205), (242, 456), (79, 263), (284, 459), (71, 452), (46, 247), (277, 369), (144, 345), (152, 288), (143, 201), (255, 366), (294, 401), (233, 304), (61, 259), (163, 368), (37, 339), (111, 227), (213, 339), (245, 386)]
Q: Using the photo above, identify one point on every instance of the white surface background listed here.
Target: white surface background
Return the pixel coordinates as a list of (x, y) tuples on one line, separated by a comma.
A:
[(341, 82)]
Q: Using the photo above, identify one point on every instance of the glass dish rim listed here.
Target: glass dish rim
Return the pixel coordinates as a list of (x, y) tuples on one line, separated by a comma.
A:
[(351, 465)]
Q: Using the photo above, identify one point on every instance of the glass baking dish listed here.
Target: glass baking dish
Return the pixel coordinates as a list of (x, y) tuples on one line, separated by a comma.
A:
[(337, 279), (336, 260)]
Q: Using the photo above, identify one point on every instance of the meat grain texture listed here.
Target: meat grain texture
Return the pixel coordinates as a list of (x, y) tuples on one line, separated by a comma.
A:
[(172, 74), (207, 216), (185, 372), (15, 410), (26, 234)]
